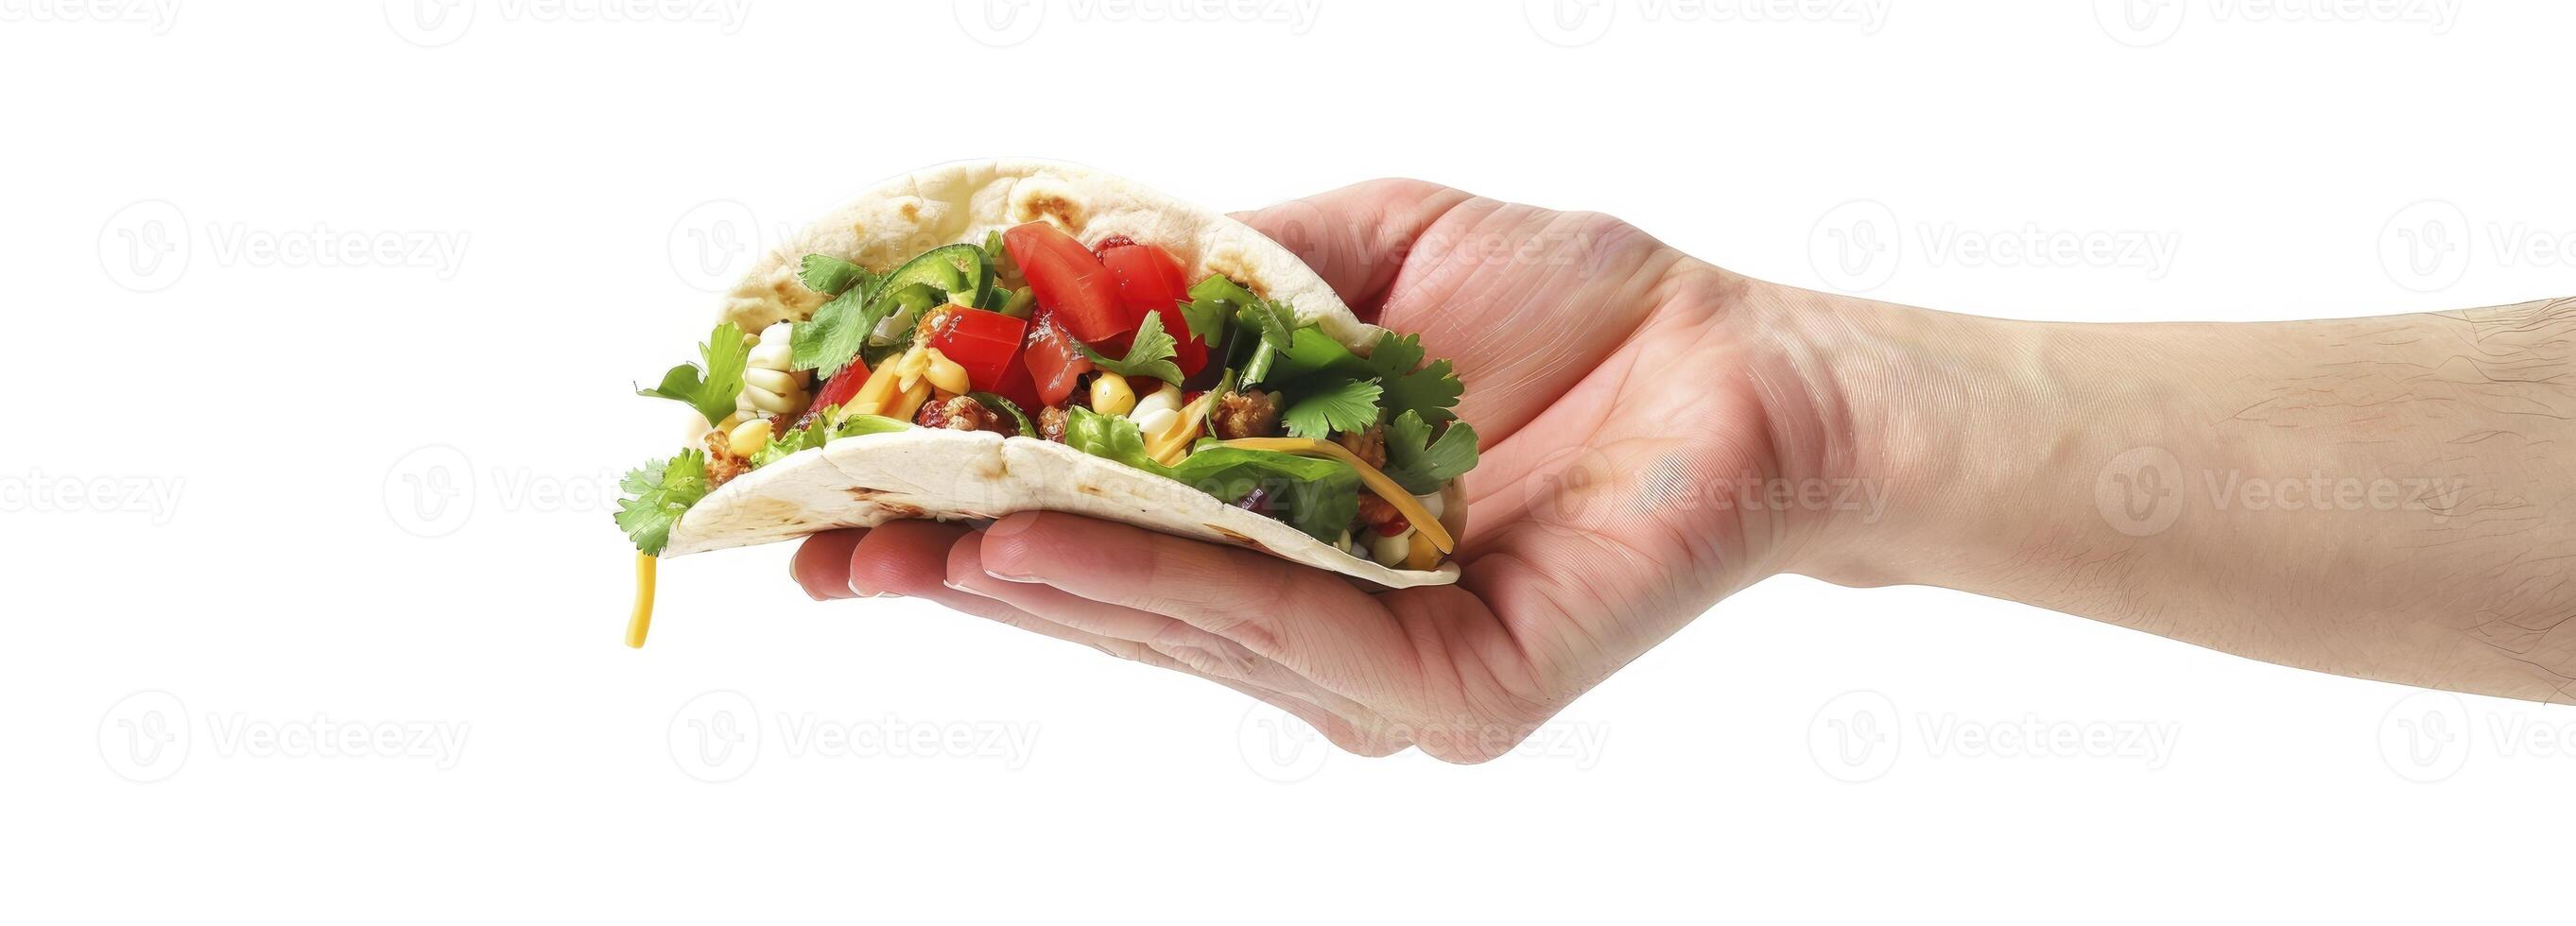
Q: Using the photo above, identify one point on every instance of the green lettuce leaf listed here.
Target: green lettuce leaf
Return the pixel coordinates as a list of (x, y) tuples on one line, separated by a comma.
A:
[(1321, 495), (1110, 437)]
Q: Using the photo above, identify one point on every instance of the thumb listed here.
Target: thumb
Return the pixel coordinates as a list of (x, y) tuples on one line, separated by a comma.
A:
[(1357, 237)]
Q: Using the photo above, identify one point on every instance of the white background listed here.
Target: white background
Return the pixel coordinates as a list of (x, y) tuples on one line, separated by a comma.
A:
[(270, 556)]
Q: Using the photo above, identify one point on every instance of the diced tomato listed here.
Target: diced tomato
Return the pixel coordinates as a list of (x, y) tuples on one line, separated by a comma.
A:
[(983, 342), (1109, 244), (1149, 280), (1053, 364), (836, 391), (1069, 282), (1022, 389)]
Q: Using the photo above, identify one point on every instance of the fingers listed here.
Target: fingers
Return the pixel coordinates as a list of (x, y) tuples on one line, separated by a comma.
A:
[(1302, 618), (1206, 653), (821, 565), (1356, 237)]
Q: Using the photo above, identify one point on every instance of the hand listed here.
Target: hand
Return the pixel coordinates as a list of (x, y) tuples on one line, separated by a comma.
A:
[(1600, 369)]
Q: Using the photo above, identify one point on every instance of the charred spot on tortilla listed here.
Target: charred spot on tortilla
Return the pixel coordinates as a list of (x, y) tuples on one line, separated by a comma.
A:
[(1057, 210), (1231, 266)]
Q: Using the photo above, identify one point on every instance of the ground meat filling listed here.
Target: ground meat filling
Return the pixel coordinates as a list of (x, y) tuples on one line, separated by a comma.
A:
[(722, 464), (1239, 415), (1368, 445), (1379, 514), (964, 414), (1051, 422)]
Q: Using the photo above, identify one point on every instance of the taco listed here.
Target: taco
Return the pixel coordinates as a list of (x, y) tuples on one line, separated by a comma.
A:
[(978, 339)]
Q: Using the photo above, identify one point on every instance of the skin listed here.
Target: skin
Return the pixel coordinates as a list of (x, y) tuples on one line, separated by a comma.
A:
[(2391, 498)]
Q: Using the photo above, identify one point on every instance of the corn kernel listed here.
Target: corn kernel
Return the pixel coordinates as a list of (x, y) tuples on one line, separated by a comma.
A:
[(748, 437), (1390, 551), (909, 403), (1110, 395), (946, 374)]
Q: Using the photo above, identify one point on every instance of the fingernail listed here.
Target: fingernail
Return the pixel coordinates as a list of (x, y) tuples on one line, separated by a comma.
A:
[(1006, 577)]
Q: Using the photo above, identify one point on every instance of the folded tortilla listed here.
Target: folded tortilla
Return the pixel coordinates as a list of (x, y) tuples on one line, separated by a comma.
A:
[(867, 480)]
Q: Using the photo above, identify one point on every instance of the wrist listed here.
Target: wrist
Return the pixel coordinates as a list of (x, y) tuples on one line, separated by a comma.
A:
[(1946, 441)]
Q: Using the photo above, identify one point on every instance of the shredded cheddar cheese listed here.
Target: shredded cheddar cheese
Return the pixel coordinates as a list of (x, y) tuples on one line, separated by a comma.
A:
[(641, 621), (1378, 482)]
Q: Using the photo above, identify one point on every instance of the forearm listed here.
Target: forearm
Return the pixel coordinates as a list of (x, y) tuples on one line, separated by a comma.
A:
[(2392, 497)]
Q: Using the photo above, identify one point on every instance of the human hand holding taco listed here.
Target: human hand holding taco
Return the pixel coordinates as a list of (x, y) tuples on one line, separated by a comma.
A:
[(2378, 497)]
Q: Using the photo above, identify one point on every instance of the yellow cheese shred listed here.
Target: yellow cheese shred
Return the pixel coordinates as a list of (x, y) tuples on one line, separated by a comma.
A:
[(1378, 482), (641, 621)]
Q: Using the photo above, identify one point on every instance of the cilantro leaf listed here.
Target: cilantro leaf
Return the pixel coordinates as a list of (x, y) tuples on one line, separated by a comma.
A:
[(1421, 464), (1110, 437), (1274, 321), (833, 276), (842, 325), (1150, 354), (1429, 391), (1212, 301), (661, 491), (711, 388), (1347, 405)]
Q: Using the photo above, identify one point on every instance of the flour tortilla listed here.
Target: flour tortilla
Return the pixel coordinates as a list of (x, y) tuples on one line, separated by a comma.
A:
[(870, 479)]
